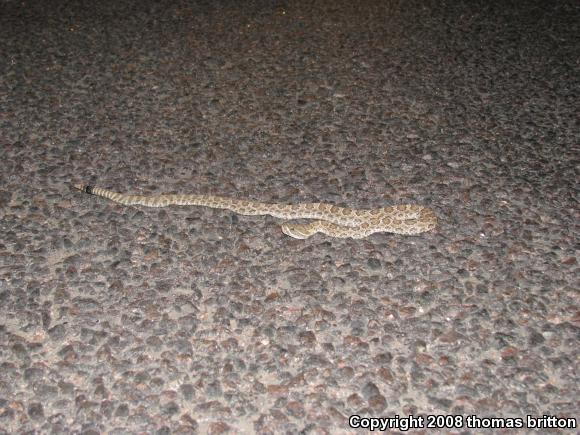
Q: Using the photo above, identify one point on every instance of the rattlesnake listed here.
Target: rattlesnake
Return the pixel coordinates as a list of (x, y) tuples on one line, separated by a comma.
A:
[(331, 220)]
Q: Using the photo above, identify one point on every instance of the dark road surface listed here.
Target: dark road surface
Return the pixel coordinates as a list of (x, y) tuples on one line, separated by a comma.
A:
[(125, 320)]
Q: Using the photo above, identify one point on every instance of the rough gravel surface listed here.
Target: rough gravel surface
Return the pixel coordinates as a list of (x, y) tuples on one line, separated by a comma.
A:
[(128, 320)]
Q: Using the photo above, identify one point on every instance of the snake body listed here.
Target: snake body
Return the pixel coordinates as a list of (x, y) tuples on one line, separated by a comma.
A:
[(330, 219)]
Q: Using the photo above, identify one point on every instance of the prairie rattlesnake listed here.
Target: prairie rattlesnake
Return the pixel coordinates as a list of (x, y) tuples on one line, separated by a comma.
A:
[(330, 219)]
